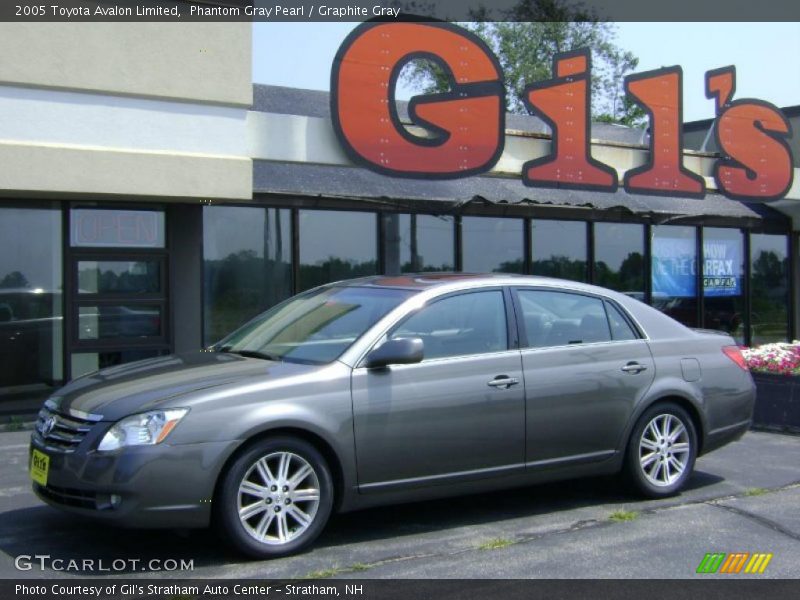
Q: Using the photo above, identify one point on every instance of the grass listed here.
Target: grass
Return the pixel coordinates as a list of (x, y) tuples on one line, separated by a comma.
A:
[(495, 544), (324, 573), (15, 424), (333, 571), (756, 491), (623, 515)]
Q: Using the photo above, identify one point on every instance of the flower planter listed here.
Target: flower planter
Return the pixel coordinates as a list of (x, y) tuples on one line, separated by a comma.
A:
[(777, 402)]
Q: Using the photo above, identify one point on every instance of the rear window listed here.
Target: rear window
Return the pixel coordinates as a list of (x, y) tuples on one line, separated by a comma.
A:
[(562, 318), (620, 327)]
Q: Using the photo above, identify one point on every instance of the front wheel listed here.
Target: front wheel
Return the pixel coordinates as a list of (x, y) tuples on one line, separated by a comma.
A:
[(275, 498), (661, 451)]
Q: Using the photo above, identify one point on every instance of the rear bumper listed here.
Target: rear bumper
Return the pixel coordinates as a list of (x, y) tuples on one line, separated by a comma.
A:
[(719, 437), (146, 486)]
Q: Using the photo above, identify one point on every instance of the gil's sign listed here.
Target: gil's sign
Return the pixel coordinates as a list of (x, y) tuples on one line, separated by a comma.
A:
[(466, 125)]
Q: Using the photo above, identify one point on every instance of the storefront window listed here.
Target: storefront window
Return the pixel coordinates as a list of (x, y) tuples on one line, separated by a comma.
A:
[(559, 249), (723, 275), (246, 264), (674, 272), (619, 257), (336, 245), (119, 276), (114, 321), (769, 296), (417, 243), (493, 245), (31, 322)]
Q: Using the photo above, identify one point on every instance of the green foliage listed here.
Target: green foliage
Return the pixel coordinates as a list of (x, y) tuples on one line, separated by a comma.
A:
[(15, 423), (240, 286), (624, 515), (15, 279), (525, 45), (323, 573), (630, 276), (495, 544), (562, 267)]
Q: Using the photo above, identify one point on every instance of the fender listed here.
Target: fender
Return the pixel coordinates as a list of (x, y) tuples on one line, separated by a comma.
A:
[(339, 443), (663, 390)]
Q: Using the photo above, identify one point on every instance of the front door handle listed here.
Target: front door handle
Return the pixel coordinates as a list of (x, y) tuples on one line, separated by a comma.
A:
[(503, 381), (634, 367)]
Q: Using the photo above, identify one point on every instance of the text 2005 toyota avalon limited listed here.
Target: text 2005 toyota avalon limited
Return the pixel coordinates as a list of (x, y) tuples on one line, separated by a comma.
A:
[(391, 389)]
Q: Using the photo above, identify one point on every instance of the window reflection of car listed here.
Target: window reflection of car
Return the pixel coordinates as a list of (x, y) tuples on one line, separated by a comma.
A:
[(683, 309), (721, 313), (28, 328), (119, 322), (637, 295), (31, 329)]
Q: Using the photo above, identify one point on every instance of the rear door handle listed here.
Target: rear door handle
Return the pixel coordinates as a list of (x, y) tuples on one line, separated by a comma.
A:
[(503, 381), (634, 367)]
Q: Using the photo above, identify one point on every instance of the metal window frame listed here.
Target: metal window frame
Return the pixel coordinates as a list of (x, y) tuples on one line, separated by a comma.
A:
[(528, 214), (72, 255)]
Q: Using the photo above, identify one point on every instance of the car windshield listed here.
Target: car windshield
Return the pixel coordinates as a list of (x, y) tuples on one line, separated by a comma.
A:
[(315, 327)]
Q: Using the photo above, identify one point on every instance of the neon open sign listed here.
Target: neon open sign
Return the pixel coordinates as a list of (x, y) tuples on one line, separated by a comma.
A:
[(466, 125), (101, 228)]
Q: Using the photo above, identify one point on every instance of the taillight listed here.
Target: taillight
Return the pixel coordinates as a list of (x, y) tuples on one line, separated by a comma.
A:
[(735, 354)]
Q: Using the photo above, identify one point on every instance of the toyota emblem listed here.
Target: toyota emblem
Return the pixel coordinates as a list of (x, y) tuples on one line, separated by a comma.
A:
[(48, 426)]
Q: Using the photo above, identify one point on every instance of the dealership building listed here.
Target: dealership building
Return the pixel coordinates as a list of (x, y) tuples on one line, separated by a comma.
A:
[(152, 198)]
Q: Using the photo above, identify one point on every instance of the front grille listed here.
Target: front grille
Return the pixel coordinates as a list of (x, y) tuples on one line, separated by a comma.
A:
[(61, 432), (69, 496)]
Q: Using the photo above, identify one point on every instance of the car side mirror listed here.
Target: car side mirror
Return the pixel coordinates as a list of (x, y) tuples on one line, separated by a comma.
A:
[(401, 351)]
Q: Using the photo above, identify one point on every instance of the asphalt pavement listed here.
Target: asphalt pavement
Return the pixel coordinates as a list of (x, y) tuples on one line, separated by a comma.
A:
[(742, 498)]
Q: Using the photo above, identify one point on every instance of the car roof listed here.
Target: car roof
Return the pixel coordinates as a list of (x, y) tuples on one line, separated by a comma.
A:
[(451, 280), (418, 281)]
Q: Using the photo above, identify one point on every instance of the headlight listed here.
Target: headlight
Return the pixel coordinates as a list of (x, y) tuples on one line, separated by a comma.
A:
[(145, 429)]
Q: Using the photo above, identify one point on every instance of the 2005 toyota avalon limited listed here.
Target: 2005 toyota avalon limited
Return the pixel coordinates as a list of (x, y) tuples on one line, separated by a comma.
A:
[(391, 389)]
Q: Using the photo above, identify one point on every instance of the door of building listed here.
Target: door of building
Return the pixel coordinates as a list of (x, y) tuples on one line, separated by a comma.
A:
[(117, 288)]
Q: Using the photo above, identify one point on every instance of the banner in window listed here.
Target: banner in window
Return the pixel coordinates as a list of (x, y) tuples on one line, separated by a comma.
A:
[(674, 266), (722, 269)]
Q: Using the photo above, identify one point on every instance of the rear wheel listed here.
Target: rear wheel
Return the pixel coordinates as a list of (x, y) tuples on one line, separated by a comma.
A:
[(275, 498), (661, 451)]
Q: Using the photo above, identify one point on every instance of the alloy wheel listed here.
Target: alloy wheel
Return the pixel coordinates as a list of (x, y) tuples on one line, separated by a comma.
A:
[(278, 498), (664, 450)]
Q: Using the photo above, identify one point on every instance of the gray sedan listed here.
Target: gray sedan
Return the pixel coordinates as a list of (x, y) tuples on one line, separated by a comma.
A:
[(391, 389)]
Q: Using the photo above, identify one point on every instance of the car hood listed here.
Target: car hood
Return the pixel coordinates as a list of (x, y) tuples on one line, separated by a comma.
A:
[(116, 392)]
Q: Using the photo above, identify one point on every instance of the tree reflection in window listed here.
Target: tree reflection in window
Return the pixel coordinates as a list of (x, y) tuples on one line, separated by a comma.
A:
[(769, 320)]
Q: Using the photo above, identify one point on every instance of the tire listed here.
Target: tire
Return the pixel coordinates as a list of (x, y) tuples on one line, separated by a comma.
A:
[(264, 513), (656, 465)]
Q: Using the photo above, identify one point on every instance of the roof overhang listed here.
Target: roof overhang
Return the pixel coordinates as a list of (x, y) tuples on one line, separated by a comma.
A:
[(456, 196)]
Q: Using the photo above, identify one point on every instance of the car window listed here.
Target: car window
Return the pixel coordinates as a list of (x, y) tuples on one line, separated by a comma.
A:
[(561, 318), (462, 325), (620, 328), (315, 327)]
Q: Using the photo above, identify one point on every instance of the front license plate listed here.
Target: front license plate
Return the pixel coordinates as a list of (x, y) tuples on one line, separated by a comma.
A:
[(40, 464)]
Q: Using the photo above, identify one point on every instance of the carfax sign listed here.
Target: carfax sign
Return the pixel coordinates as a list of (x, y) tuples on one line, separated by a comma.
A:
[(675, 267)]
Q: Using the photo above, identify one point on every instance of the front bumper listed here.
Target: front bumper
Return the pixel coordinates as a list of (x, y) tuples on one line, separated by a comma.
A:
[(142, 486)]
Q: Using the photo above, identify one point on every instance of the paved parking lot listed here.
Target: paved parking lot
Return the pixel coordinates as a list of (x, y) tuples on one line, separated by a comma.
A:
[(742, 498)]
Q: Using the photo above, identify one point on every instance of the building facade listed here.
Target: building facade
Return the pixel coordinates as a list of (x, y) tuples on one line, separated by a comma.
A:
[(152, 199)]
